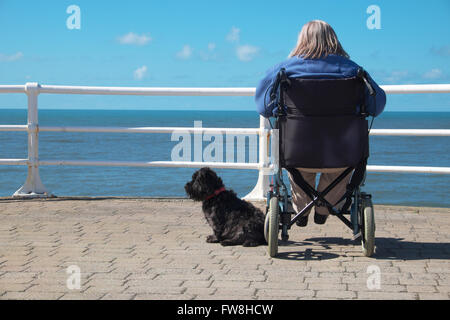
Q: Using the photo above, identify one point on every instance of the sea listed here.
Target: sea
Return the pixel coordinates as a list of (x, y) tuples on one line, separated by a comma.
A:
[(409, 189)]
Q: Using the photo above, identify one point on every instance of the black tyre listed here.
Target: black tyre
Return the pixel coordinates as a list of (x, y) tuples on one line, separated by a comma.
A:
[(272, 222), (368, 228)]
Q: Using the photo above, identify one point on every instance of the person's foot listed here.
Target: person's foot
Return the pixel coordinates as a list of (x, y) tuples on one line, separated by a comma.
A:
[(302, 222), (319, 218)]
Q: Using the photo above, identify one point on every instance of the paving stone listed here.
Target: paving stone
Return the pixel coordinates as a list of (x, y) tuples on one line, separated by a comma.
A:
[(376, 295), (264, 293), (335, 294), (433, 296), (422, 289)]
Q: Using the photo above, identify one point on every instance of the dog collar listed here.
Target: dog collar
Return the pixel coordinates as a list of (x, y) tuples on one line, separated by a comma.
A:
[(215, 193)]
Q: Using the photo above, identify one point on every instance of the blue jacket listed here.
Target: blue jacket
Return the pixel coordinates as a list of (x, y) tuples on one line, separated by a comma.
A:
[(331, 67)]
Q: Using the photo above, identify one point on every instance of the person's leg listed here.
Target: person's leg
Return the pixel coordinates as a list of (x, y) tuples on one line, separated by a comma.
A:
[(299, 198), (327, 177)]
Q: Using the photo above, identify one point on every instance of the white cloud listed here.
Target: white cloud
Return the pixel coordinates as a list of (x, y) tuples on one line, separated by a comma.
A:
[(10, 58), (209, 54), (246, 52), (396, 76), (211, 46), (433, 74), (233, 35), (185, 53), (133, 38), (139, 73)]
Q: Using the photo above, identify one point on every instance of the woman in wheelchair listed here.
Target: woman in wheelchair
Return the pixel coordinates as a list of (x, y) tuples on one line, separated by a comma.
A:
[(321, 100)]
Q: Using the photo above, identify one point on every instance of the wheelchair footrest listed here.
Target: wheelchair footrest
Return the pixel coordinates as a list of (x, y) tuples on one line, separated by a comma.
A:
[(356, 236)]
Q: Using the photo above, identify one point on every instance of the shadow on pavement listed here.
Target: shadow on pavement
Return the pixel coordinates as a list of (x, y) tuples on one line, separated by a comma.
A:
[(391, 248), (307, 255)]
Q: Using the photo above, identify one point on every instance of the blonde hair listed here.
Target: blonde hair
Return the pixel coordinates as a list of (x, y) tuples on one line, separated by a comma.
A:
[(317, 39)]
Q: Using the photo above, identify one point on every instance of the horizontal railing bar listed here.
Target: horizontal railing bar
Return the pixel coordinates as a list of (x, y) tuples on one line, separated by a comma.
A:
[(12, 88), (170, 164), (160, 91), (14, 127), (223, 165), (14, 162), (147, 91), (152, 130), (411, 132), (374, 132), (409, 169), (416, 88)]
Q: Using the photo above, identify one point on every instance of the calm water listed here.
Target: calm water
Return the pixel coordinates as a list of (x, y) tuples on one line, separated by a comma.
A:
[(399, 189)]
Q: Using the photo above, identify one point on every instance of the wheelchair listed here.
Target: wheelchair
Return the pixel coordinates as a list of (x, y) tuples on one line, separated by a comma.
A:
[(320, 123)]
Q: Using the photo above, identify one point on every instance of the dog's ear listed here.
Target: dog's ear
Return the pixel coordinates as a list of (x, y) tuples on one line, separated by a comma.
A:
[(207, 173), (211, 179)]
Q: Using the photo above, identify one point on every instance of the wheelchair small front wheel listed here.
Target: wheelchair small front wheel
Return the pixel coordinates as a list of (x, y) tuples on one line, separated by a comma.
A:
[(272, 227), (368, 236)]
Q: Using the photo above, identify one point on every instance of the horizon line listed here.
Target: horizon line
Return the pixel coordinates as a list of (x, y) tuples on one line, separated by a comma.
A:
[(180, 109)]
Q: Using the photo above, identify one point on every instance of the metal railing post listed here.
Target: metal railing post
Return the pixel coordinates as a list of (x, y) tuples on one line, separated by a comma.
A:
[(261, 188), (33, 186)]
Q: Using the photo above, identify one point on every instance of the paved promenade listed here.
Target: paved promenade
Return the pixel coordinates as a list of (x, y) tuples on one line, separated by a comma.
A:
[(128, 248)]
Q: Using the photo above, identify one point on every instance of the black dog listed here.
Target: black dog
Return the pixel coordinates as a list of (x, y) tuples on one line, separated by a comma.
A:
[(234, 221)]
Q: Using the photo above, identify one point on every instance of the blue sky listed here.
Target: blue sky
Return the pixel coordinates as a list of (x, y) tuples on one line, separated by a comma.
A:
[(211, 44)]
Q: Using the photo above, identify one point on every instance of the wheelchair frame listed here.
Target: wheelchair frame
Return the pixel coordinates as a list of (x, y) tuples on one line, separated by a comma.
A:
[(278, 217)]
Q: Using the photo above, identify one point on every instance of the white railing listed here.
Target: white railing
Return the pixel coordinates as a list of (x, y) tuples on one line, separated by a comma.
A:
[(33, 186)]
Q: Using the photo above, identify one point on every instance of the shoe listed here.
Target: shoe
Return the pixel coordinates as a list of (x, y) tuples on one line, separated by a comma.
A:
[(319, 218), (302, 222)]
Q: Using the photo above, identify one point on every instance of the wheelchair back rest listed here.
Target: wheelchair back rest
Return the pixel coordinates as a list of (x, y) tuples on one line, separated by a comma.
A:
[(322, 128), (324, 97)]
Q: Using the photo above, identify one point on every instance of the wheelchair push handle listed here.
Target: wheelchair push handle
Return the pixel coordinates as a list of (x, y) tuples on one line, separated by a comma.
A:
[(363, 75), (281, 79)]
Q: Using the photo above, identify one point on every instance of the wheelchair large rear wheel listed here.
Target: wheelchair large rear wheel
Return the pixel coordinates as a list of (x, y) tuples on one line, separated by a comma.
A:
[(272, 226), (266, 226), (368, 228)]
